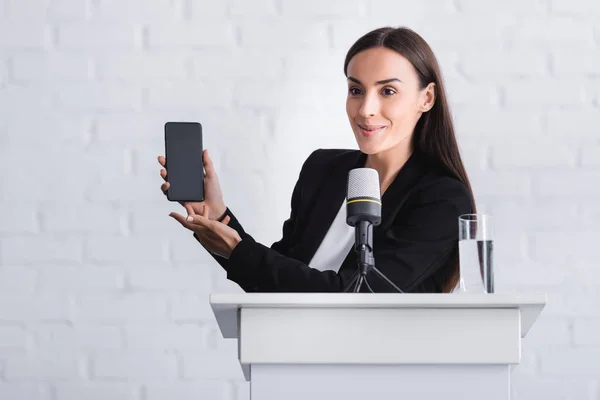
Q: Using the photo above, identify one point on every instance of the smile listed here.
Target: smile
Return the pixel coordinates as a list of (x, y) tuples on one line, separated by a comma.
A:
[(371, 131)]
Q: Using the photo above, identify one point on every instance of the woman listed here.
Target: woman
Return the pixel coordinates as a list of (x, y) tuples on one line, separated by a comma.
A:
[(397, 109)]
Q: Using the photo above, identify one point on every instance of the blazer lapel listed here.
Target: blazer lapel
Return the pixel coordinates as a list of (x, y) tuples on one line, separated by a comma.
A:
[(331, 193), (395, 195), (326, 203), (392, 201)]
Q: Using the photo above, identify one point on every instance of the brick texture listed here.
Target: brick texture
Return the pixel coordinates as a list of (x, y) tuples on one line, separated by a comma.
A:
[(104, 296)]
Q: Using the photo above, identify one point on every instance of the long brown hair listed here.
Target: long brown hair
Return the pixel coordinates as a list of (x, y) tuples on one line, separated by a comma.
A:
[(434, 133)]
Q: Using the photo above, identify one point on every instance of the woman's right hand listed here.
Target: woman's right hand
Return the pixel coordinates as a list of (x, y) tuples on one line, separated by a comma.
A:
[(213, 197)]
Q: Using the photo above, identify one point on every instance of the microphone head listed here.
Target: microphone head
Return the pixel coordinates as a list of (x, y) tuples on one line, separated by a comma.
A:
[(363, 183), (363, 196)]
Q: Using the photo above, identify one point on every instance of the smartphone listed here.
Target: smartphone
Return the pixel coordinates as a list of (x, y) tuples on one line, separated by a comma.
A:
[(184, 164)]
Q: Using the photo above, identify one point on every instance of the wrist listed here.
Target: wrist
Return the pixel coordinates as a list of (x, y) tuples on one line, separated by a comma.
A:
[(235, 241), (221, 214)]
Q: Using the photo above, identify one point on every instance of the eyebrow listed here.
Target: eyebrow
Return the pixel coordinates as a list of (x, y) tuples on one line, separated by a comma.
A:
[(383, 82)]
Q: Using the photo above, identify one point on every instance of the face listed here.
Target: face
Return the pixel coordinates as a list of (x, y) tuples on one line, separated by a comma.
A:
[(384, 100)]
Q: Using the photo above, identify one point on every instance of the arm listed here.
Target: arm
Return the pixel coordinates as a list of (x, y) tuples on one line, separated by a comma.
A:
[(283, 245), (422, 240)]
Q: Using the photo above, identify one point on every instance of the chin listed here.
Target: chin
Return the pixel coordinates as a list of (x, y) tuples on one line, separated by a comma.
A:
[(369, 148), (378, 144), (368, 145)]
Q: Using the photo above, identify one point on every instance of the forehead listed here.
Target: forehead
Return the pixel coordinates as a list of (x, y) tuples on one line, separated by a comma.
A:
[(380, 63)]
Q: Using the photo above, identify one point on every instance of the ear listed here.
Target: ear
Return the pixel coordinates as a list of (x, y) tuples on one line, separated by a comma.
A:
[(427, 99)]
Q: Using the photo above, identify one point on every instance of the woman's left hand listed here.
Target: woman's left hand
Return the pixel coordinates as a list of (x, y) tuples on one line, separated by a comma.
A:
[(215, 236)]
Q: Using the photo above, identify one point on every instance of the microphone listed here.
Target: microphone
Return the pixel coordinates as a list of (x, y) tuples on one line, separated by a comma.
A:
[(363, 211), (363, 205)]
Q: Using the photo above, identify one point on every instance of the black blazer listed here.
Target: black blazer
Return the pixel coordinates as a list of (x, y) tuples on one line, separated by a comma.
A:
[(415, 246)]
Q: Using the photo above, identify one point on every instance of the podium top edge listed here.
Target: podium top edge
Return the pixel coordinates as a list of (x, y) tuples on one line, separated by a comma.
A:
[(399, 300)]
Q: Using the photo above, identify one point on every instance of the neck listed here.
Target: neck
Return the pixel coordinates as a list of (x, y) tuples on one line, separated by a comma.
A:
[(388, 163)]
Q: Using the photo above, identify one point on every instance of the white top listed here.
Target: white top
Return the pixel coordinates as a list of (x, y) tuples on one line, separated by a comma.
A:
[(335, 246)]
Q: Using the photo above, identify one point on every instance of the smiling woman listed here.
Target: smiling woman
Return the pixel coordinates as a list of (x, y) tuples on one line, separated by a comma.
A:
[(397, 109)]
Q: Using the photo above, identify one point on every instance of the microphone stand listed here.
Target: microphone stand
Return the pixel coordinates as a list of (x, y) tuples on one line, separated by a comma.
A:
[(365, 260)]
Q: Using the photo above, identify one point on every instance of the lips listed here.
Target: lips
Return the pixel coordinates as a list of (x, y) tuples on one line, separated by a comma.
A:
[(371, 130)]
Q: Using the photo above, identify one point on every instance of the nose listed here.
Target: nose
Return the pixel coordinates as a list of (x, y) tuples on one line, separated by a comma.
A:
[(369, 106)]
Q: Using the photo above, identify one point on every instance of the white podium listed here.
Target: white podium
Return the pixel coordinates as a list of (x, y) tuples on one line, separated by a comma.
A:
[(352, 346)]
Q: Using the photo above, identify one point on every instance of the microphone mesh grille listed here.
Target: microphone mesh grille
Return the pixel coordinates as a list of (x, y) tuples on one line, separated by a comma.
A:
[(363, 182)]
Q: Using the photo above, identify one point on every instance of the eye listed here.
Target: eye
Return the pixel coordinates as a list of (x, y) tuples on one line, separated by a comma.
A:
[(353, 91)]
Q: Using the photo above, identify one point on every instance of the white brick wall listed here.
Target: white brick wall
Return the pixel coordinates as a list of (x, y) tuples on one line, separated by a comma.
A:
[(103, 296)]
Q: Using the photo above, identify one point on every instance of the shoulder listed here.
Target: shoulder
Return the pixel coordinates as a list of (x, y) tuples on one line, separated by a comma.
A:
[(437, 184), (438, 188)]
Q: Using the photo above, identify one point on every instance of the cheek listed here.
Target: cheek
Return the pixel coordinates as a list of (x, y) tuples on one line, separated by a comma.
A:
[(400, 111), (395, 111), (351, 108)]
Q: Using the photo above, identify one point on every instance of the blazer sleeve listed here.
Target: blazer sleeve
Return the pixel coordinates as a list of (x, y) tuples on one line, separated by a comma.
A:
[(421, 241)]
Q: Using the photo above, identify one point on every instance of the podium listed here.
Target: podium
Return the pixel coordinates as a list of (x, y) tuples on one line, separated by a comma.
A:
[(384, 346)]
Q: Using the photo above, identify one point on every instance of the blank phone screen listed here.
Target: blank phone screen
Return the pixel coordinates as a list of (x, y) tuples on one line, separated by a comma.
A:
[(185, 168)]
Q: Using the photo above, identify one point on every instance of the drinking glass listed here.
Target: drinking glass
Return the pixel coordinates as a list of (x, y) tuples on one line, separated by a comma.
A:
[(476, 253)]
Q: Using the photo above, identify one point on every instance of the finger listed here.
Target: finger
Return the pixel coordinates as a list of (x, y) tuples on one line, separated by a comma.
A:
[(205, 211), (209, 168), (192, 226), (226, 220), (189, 209), (198, 221), (162, 161), (164, 186), (163, 173), (180, 218)]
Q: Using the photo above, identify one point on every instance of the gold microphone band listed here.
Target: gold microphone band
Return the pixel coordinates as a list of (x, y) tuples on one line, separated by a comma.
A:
[(363, 200)]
